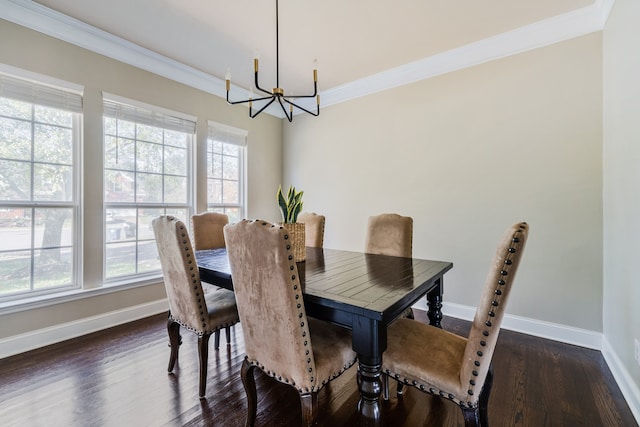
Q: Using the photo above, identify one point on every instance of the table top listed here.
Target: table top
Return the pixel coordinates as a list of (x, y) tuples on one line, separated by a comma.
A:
[(349, 283)]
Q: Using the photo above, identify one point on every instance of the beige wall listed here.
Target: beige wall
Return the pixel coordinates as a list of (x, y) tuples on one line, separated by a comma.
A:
[(622, 185), (32, 51), (466, 155)]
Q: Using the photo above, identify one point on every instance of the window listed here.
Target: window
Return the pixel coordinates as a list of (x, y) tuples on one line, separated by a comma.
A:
[(148, 172), (39, 140), (225, 170)]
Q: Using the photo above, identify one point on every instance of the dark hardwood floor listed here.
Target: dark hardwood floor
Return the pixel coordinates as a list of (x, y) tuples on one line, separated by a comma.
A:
[(118, 377)]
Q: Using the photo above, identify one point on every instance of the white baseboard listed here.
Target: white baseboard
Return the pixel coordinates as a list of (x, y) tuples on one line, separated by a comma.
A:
[(623, 378), (562, 333), (47, 336), (538, 328)]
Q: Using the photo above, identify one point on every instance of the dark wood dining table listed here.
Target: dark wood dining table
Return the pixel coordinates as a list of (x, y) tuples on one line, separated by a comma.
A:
[(363, 292)]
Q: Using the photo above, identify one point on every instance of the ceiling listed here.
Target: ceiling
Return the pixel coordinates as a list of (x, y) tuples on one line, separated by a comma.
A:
[(351, 40)]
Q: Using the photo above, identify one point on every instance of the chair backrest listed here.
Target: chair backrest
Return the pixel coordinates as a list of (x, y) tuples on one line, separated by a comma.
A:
[(389, 234), (269, 300), (488, 318), (313, 228), (180, 271), (206, 229)]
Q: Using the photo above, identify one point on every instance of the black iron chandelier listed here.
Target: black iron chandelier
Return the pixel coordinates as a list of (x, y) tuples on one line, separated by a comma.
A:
[(277, 93)]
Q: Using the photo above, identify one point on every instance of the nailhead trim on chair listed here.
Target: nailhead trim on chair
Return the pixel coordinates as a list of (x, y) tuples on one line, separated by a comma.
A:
[(194, 279), (277, 376), (200, 333), (495, 303), (472, 383)]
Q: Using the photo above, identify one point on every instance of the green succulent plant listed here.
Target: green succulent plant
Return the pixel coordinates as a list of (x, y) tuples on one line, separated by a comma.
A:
[(291, 205)]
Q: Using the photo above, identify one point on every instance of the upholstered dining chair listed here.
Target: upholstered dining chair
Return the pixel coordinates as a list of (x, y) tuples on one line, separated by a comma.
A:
[(450, 366), (189, 307), (313, 228), (279, 338), (389, 234), (206, 233), (206, 230)]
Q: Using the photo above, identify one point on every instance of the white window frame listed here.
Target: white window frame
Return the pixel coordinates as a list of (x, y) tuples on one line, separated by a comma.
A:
[(122, 108), (46, 91), (229, 135)]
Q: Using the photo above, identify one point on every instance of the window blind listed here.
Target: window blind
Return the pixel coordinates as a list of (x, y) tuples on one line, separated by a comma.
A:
[(228, 134), (39, 94), (149, 117)]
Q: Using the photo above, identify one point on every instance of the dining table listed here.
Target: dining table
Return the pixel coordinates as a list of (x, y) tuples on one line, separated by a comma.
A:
[(360, 291)]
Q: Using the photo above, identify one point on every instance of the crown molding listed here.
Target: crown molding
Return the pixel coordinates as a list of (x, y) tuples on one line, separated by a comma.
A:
[(543, 33), (55, 24)]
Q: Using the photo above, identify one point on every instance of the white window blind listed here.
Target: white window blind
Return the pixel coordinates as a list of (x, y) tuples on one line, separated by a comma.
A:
[(138, 114), (227, 134), (39, 94)]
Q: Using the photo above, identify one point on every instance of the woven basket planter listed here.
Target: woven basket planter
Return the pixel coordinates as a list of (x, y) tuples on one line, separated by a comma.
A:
[(297, 240)]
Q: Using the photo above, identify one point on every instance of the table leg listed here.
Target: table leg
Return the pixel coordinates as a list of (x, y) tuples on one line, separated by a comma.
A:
[(370, 388), (434, 304), (369, 341)]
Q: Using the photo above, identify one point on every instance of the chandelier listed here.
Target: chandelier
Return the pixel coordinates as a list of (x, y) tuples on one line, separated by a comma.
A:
[(277, 93)]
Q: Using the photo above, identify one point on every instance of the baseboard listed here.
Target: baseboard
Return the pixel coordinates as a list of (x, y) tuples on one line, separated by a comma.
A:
[(538, 328), (623, 378), (47, 336)]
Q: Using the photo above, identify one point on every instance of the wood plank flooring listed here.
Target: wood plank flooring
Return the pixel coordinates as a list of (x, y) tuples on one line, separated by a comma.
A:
[(118, 377)]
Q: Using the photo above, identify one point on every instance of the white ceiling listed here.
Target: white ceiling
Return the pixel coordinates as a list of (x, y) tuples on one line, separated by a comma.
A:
[(351, 39)]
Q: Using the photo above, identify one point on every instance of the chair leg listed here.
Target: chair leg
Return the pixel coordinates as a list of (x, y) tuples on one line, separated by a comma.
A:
[(227, 331), (400, 389), (249, 383), (203, 352), (309, 404), (216, 340), (471, 417), (384, 379), (483, 403), (173, 328)]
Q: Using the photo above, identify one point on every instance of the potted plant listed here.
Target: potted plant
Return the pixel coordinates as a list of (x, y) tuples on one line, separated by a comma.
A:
[(290, 206)]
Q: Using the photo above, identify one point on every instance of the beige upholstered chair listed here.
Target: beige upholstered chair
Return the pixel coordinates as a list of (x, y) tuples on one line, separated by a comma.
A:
[(313, 228), (206, 230), (389, 234), (279, 338), (191, 308), (447, 365), (206, 233)]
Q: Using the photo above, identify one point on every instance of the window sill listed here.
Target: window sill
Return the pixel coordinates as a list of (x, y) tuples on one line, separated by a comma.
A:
[(33, 302)]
